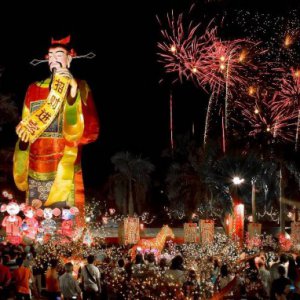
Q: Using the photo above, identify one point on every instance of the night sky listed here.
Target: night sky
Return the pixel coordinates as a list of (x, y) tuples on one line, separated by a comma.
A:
[(125, 75)]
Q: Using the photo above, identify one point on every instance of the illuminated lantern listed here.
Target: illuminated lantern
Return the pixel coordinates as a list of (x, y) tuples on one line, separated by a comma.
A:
[(129, 231), (207, 230), (190, 232), (12, 223), (30, 224), (154, 245), (48, 225), (238, 222), (67, 225)]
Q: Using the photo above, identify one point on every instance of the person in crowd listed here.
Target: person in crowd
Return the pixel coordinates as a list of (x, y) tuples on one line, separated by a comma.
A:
[(69, 286), (52, 280), (5, 279), (22, 277), (90, 277)]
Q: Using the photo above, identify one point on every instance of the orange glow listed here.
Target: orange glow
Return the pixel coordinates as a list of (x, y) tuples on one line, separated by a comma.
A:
[(256, 110), (194, 70), (222, 58), (251, 90), (243, 56), (288, 41)]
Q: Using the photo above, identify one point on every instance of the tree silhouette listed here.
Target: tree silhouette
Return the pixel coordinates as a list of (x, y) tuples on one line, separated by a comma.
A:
[(131, 182)]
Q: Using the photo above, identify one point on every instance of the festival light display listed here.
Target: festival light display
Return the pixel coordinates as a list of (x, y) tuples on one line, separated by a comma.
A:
[(12, 222)]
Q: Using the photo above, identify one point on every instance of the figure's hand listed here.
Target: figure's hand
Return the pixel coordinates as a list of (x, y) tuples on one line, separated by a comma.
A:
[(22, 133), (73, 84)]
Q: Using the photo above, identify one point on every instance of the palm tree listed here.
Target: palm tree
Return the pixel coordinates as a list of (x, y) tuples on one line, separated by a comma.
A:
[(184, 184), (219, 172), (185, 188), (131, 181)]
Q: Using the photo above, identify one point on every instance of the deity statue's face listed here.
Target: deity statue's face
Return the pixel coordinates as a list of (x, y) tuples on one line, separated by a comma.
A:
[(58, 58), (12, 208)]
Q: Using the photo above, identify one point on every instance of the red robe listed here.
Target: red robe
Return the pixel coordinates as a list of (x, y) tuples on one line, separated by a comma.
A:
[(46, 152)]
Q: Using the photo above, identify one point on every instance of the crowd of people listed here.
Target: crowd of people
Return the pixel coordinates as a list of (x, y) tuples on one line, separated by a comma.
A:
[(187, 271)]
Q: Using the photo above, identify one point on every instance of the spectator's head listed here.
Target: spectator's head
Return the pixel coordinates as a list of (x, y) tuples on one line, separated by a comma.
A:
[(139, 259), (192, 274), (284, 258), (69, 267), (91, 259), (12, 254), (281, 270), (224, 271), (151, 257), (163, 262), (53, 263), (121, 263), (177, 263), (24, 255), (251, 263), (19, 261), (216, 263)]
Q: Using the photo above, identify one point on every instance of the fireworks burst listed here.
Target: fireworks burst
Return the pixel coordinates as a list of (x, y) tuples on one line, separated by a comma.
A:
[(181, 50), (203, 58), (215, 66), (260, 114), (289, 97)]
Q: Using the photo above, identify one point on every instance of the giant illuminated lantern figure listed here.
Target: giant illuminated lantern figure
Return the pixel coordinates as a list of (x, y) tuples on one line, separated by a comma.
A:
[(12, 222), (59, 116)]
